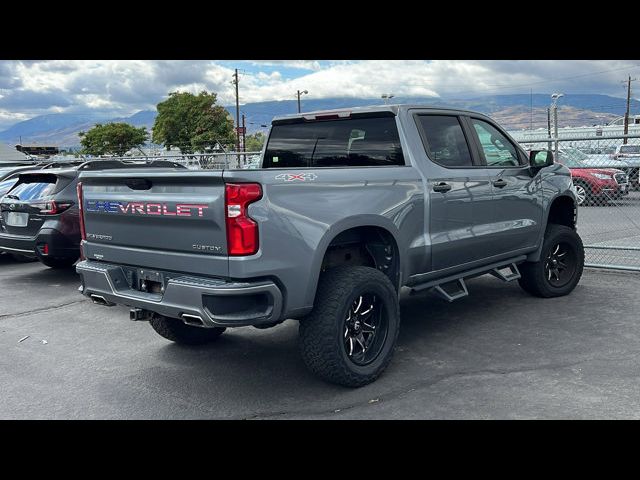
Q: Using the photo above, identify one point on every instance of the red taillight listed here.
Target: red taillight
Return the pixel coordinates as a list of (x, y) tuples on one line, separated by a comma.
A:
[(83, 233), (54, 208), (242, 231)]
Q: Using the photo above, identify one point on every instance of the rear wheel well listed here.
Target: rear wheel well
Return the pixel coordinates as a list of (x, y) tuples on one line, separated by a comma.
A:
[(563, 212), (365, 246)]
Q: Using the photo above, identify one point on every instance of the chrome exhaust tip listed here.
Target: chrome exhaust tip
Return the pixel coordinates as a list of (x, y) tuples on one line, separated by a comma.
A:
[(195, 320), (100, 300)]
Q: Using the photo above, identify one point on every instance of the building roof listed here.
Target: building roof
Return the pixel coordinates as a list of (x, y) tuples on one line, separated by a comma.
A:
[(10, 154)]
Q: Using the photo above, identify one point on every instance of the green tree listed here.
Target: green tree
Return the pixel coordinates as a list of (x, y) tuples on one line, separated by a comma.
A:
[(112, 138), (254, 142), (193, 123)]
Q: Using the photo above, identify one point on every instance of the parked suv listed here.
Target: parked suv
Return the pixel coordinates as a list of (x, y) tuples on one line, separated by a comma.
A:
[(629, 155), (39, 213), (346, 208), (596, 185)]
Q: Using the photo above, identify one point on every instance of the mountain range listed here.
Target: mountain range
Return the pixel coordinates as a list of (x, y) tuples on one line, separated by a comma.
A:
[(514, 112)]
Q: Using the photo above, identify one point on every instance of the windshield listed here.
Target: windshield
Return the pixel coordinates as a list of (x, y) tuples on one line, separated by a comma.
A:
[(574, 154), (630, 149), (335, 143), (33, 187), (6, 185), (570, 160)]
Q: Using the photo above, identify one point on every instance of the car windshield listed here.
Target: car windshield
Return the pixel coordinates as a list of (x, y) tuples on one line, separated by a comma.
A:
[(630, 149), (33, 187), (570, 161), (6, 185), (574, 154)]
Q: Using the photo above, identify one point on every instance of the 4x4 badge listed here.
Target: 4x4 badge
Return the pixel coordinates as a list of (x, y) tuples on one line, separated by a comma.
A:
[(301, 177)]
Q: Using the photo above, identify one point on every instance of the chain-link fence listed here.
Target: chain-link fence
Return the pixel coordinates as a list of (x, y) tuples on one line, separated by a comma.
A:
[(196, 161), (605, 178), (204, 161)]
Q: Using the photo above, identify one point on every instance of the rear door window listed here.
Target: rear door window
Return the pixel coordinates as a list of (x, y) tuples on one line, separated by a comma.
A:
[(352, 142), (445, 140)]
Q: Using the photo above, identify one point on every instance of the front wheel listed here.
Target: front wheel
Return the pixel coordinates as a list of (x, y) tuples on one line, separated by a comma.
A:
[(350, 335), (560, 266), (583, 193)]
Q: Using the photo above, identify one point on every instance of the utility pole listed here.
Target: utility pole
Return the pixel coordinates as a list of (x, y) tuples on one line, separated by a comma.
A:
[(235, 82), (626, 114)]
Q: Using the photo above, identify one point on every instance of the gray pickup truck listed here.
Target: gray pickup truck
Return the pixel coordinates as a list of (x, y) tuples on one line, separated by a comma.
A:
[(347, 208)]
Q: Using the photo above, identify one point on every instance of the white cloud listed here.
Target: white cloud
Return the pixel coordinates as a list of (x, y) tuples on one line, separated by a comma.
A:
[(31, 88), (300, 64)]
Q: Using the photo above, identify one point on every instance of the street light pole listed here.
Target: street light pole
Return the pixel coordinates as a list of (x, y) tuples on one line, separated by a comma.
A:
[(303, 92), (626, 113), (554, 106)]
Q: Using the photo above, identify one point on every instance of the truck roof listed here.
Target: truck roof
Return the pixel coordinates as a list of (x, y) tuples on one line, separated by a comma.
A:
[(373, 108)]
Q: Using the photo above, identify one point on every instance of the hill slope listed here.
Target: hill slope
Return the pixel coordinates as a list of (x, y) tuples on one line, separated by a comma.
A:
[(513, 111)]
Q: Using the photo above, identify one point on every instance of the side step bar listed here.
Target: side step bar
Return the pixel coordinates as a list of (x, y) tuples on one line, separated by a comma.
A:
[(453, 290), (512, 274), (454, 287)]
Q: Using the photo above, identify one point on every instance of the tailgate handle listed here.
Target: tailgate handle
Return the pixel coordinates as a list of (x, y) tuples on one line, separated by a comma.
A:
[(138, 183)]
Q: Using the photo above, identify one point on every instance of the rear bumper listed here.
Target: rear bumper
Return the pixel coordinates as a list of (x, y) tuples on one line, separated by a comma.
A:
[(216, 302), (59, 245)]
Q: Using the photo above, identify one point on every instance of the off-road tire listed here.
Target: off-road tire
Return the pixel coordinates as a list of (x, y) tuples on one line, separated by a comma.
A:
[(57, 263), (534, 278), (177, 331), (321, 332)]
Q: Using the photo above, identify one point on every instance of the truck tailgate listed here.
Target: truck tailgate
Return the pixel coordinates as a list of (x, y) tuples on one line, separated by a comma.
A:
[(156, 217)]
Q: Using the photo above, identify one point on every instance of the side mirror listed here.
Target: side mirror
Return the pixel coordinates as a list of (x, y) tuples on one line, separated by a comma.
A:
[(540, 158)]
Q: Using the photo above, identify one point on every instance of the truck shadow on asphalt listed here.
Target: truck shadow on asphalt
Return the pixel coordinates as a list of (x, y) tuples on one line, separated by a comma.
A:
[(266, 366), (38, 274)]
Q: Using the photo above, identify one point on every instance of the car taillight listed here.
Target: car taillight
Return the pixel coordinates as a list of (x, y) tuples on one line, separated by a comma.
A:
[(242, 230), (83, 233), (54, 208)]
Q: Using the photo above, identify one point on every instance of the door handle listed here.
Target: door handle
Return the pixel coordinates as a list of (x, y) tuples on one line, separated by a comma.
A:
[(441, 187), (500, 183)]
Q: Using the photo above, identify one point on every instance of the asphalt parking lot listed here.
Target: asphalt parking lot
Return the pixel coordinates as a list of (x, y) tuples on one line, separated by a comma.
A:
[(498, 353)]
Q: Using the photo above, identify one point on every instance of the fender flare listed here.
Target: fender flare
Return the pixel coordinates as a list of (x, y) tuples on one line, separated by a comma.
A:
[(336, 229), (535, 255)]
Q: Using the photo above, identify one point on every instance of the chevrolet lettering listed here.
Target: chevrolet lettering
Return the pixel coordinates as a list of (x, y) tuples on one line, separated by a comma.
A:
[(147, 208)]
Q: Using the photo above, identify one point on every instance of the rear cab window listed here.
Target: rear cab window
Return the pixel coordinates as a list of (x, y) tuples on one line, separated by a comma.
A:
[(356, 141)]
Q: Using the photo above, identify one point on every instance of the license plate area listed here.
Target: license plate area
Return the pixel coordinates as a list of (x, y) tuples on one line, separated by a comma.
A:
[(150, 281), (17, 219)]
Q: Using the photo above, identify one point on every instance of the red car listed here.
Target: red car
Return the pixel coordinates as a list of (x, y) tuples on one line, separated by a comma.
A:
[(596, 185)]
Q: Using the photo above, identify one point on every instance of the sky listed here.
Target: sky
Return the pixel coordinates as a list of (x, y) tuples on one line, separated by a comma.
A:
[(124, 87)]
